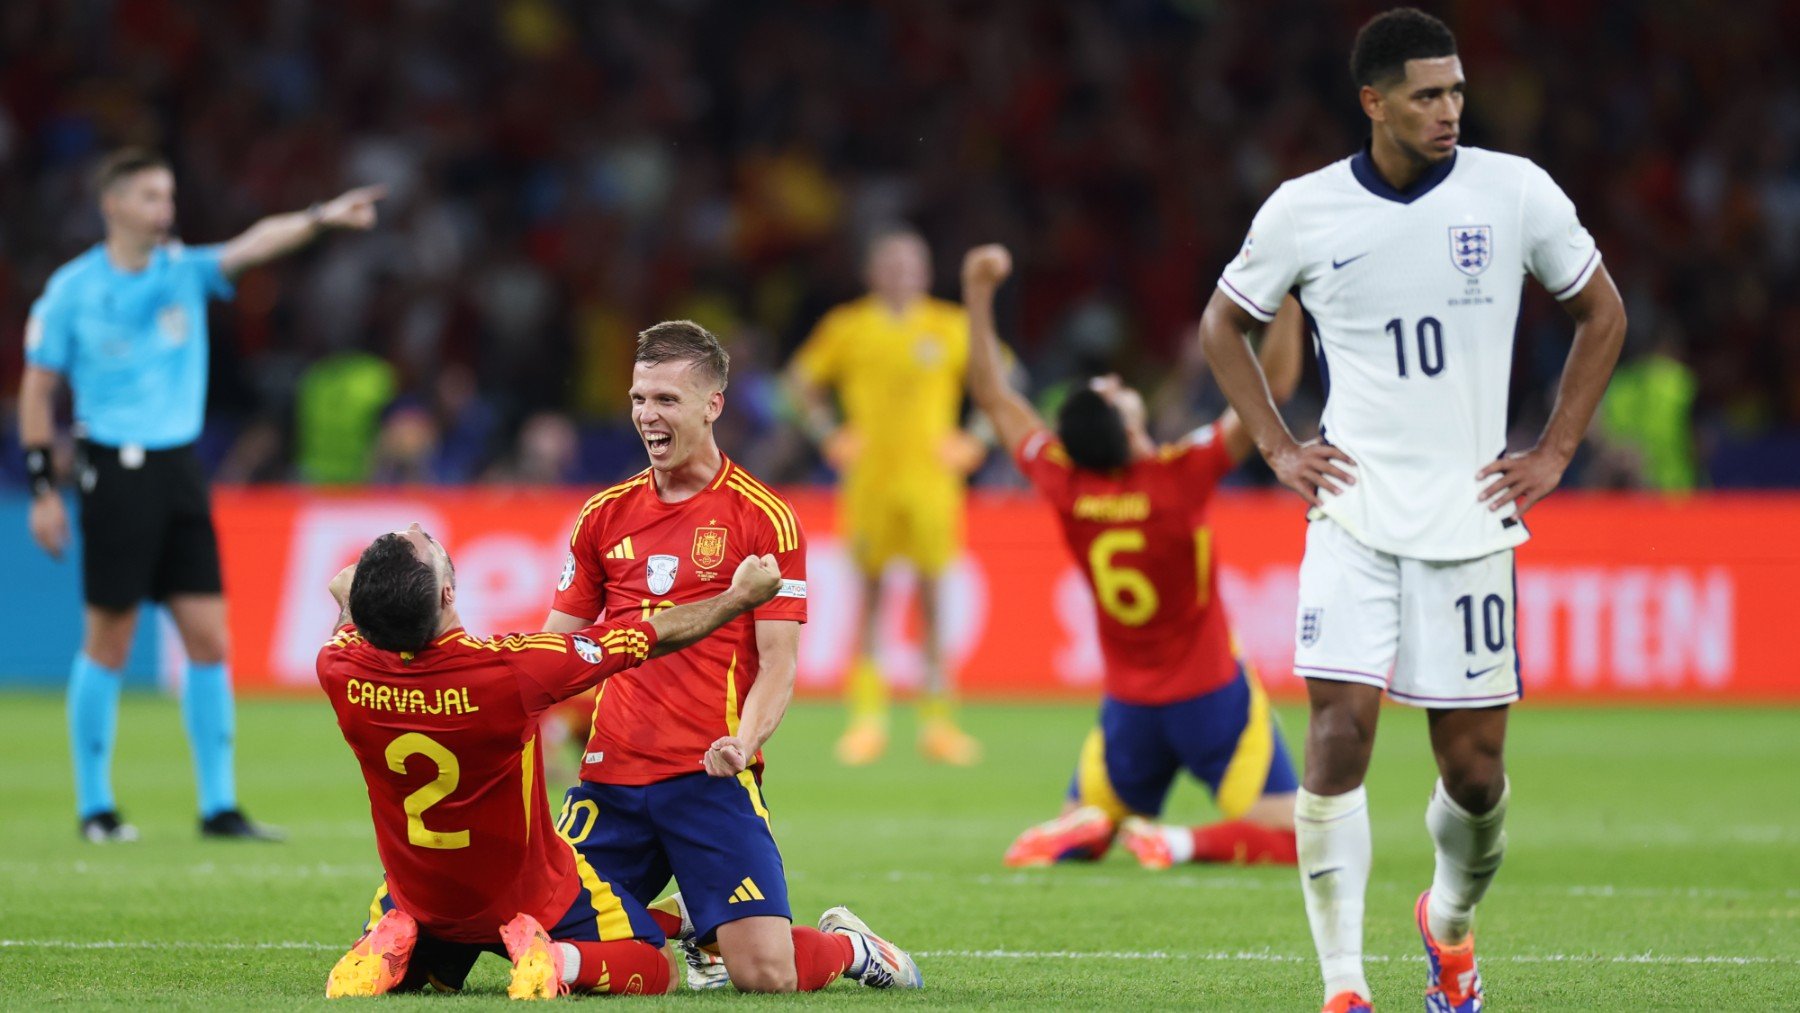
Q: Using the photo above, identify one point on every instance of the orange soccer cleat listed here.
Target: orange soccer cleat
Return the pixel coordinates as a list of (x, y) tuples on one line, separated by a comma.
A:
[(1347, 1002), (1079, 836), (863, 742), (1452, 983), (377, 962), (1145, 840), (537, 961), (940, 741)]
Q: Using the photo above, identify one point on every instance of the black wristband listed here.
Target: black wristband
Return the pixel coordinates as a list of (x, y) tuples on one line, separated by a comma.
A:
[(37, 469)]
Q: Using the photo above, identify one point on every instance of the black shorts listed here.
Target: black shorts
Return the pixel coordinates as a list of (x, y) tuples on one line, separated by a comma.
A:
[(146, 526)]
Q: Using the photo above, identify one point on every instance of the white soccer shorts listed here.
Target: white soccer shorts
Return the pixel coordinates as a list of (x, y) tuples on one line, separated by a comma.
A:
[(1433, 634)]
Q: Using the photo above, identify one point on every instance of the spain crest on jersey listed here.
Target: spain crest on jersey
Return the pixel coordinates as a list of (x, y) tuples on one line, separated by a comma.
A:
[(709, 547), (1471, 248)]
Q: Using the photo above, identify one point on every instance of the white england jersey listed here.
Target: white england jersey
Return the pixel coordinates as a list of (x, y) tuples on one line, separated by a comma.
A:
[(1413, 299)]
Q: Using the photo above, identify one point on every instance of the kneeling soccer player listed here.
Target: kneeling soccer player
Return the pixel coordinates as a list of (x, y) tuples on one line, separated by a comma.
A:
[(445, 728), (1176, 697)]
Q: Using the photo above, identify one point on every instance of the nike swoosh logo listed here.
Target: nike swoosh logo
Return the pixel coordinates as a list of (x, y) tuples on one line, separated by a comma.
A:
[(1336, 263), (1476, 675), (1323, 872)]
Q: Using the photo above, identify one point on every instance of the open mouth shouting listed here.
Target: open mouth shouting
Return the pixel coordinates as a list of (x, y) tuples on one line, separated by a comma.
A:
[(657, 443)]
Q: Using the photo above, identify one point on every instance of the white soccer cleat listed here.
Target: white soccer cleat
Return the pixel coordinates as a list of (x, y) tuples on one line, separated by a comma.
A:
[(884, 964), (705, 970)]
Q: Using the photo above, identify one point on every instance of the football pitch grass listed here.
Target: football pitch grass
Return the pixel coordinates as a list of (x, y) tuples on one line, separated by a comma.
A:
[(1654, 863)]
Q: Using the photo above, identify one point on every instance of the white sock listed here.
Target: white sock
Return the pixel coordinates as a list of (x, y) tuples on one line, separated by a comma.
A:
[(571, 963), (860, 961), (1469, 849), (1333, 833), (1180, 841)]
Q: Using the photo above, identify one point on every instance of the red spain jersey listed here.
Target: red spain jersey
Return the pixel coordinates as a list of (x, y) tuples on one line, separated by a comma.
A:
[(632, 554), (447, 740), (1141, 540)]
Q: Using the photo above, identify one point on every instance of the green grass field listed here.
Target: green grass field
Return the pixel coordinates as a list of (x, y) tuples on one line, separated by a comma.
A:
[(1654, 863)]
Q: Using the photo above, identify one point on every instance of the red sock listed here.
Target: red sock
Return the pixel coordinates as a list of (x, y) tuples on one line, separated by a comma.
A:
[(668, 921), (621, 967), (819, 957), (1245, 842)]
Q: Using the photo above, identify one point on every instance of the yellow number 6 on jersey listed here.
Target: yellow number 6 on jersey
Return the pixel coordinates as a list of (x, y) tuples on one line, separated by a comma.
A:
[(1124, 593), (449, 772)]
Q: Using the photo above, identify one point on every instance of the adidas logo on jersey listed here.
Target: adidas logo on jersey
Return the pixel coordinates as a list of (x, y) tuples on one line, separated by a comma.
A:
[(621, 550), (746, 891)]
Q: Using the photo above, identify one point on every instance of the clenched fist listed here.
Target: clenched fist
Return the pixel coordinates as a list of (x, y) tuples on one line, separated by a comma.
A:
[(985, 267), (757, 579)]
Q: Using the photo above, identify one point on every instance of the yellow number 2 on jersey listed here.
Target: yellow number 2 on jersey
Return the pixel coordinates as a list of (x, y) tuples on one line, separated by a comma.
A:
[(449, 772), (1124, 593)]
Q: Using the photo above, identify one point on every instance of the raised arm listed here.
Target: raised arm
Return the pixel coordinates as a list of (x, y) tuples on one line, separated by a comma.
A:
[(1012, 417), (1305, 468), (1527, 477), (1279, 358), (279, 235)]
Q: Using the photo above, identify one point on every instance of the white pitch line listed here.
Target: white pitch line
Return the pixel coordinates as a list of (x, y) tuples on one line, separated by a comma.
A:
[(1212, 956), (163, 944), (1268, 957), (1227, 881)]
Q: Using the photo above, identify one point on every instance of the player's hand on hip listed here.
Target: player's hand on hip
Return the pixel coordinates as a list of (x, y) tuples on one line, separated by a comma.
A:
[(340, 584), (1312, 468), (758, 578), (985, 267), (728, 757), (1522, 479), (354, 209), (49, 523)]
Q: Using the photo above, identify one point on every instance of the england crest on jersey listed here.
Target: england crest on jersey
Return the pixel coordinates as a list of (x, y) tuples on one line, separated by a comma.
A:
[(1471, 248), (659, 571), (1310, 621)]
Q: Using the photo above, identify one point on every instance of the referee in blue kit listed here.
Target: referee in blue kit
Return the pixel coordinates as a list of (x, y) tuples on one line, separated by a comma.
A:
[(125, 325)]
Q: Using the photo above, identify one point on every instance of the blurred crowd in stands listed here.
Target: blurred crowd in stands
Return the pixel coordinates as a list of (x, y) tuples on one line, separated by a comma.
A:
[(563, 174)]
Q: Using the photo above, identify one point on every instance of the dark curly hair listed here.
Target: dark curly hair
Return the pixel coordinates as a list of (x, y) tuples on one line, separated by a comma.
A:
[(394, 596), (1390, 39), (1092, 432)]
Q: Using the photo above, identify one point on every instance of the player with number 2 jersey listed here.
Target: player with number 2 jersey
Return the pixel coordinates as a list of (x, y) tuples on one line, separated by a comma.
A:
[(445, 725)]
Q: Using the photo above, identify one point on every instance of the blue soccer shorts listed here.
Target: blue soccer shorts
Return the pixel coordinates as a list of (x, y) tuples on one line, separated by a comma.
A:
[(710, 834), (1228, 739)]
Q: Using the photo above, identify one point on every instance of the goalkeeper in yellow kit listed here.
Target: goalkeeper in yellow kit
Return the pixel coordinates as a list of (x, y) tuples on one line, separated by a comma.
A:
[(895, 360)]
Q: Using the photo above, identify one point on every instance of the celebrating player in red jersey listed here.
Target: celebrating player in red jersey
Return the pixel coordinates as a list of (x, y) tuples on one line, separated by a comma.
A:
[(1176, 696), (445, 727), (675, 760)]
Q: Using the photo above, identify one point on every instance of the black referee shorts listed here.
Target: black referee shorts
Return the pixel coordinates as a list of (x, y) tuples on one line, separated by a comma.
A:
[(146, 526)]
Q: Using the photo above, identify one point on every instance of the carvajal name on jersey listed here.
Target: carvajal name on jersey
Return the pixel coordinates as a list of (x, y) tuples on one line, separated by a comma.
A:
[(404, 700), (1132, 506)]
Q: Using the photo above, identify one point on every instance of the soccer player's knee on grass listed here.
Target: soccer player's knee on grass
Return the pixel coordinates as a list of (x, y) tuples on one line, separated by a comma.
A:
[(759, 954)]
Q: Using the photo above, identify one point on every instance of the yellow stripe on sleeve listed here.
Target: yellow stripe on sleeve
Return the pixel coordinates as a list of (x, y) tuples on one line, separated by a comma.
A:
[(786, 531), (781, 507)]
